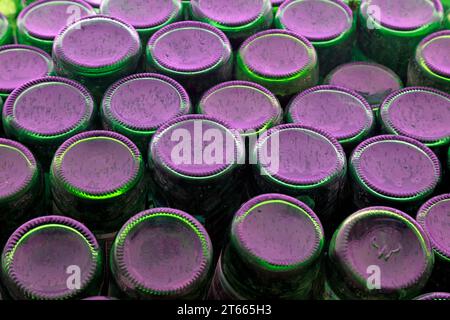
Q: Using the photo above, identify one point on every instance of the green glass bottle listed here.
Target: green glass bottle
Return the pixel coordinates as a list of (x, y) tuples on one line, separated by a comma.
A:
[(138, 105), (195, 54), (28, 63), (246, 106), (274, 251), (45, 112), (389, 31), (282, 61), (236, 18), (146, 16), (161, 253), (276, 3), (24, 3), (1, 125), (303, 162), (434, 296), (371, 80), (434, 217), (332, 40), (446, 4), (341, 112), (353, 4), (446, 24), (420, 113), (21, 186), (448, 164), (98, 177), (186, 8), (394, 171), (430, 66), (377, 253), (95, 4), (198, 175), (40, 22), (97, 51), (52, 258)]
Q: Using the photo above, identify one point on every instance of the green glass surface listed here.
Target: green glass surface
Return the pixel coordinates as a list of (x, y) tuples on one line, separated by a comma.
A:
[(10, 8), (6, 34), (446, 4), (446, 23), (31, 185)]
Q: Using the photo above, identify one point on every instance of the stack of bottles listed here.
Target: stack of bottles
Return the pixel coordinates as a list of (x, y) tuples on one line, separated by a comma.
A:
[(225, 149)]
